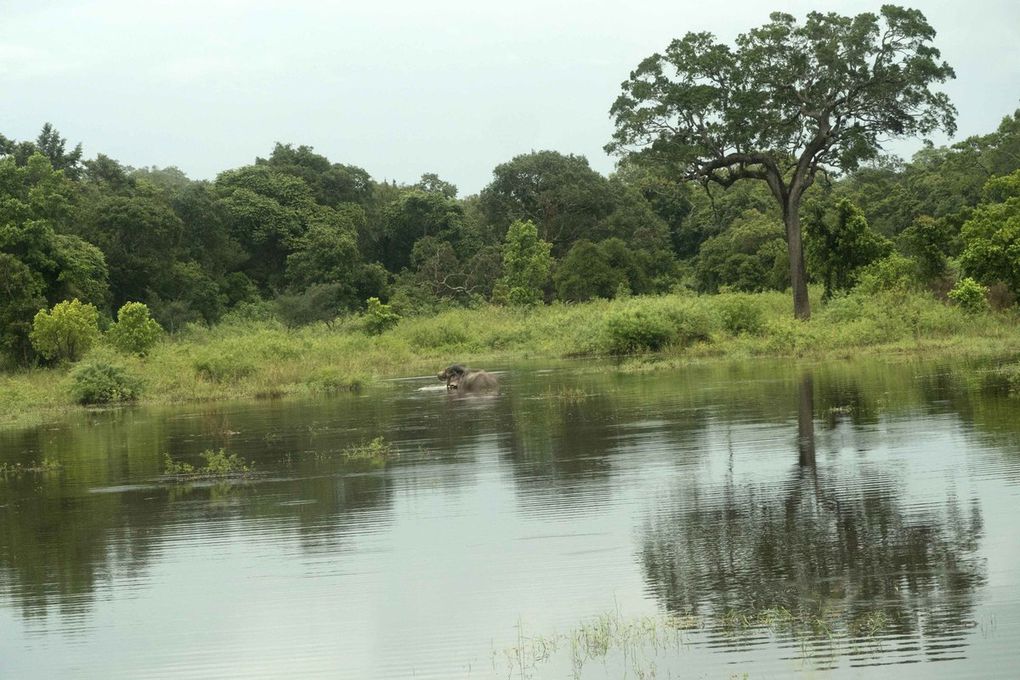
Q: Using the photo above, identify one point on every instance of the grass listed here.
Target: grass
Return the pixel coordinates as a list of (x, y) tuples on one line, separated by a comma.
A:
[(258, 360), (640, 642)]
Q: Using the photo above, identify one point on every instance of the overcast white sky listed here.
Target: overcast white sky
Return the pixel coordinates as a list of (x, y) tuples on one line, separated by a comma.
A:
[(398, 88)]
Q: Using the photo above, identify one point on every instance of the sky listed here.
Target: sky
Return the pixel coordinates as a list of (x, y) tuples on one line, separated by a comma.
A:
[(402, 88)]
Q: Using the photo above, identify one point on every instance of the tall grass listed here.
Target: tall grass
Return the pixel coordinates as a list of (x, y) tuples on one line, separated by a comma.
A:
[(261, 358)]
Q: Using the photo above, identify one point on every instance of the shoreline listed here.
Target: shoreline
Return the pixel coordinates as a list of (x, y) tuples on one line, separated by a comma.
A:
[(257, 360)]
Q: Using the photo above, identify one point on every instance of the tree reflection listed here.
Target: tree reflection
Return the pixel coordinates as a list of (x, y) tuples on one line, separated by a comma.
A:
[(832, 541)]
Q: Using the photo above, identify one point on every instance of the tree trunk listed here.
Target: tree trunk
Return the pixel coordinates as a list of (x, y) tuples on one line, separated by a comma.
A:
[(794, 244), (806, 420)]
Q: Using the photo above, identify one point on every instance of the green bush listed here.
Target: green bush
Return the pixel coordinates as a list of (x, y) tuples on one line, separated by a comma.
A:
[(637, 330), (332, 381), (135, 331), (224, 366), (99, 382), (436, 333), (650, 324), (379, 317), (893, 272), (66, 332), (970, 295), (741, 314)]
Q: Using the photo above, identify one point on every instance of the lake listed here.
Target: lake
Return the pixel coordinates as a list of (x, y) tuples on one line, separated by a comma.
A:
[(842, 519)]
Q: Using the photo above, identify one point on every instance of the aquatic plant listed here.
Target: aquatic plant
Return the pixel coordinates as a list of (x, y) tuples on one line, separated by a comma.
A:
[(375, 453), (46, 465), (638, 641), (217, 464)]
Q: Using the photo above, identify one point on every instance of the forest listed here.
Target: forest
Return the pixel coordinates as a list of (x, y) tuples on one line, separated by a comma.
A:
[(304, 239), (94, 252)]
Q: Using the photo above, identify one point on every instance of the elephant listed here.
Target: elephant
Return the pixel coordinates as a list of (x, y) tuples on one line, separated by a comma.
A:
[(464, 379)]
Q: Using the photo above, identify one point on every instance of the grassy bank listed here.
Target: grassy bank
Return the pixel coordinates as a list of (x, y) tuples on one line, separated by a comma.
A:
[(263, 359)]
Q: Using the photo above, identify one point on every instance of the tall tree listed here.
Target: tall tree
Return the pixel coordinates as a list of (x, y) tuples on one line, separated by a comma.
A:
[(788, 101), (331, 183), (559, 193)]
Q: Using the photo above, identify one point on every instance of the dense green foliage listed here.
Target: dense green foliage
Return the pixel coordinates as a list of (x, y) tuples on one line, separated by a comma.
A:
[(300, 239), (790, 100), (841, 245), (135, 331), (526, 264), (970, 295), (100, 382), (991, 236), (65, 332), (247, 357)]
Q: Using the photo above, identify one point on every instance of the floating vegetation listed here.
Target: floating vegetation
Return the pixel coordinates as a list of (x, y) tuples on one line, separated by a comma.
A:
[(16, 470), (374, 454), (218, 464)]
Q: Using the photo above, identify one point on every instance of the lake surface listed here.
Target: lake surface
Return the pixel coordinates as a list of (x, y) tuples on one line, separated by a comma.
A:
[(828, 520)]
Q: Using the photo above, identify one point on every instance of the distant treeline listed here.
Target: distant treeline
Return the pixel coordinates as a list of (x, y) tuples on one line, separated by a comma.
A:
[(306, 239)]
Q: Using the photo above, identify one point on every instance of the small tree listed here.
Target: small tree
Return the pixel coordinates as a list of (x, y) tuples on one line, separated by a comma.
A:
[(526, 263), (841, 247), (379, 317), (135, 331), (970, 295), (66, 332), (789, 100)]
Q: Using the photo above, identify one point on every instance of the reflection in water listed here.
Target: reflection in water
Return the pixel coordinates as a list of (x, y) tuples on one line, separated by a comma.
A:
[(835, 541), (806, 420), (867, 499)]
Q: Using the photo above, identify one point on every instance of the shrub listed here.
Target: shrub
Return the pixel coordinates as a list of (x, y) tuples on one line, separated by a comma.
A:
[(893, 272), (637, 330), (99, 382), (692, 321), (66, 332), (135, 331), (379, 317), (436, 333), (224, 367), (332, 381), (249, 312), (970, 295), (741, 314)]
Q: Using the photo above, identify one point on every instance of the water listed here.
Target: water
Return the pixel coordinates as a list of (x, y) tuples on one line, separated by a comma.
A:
[(772, 519)]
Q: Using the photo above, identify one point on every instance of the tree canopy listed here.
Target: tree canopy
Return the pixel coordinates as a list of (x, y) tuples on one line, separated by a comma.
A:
[(789, 99)]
